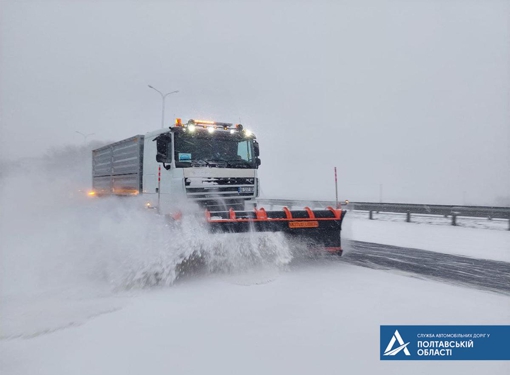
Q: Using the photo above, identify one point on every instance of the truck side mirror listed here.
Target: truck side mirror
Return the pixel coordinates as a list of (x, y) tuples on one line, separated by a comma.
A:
[(160, 158), (257, 161), (256, 148)]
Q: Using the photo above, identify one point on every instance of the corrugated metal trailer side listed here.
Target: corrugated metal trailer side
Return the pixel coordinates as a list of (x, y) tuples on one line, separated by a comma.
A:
[(117, 167)]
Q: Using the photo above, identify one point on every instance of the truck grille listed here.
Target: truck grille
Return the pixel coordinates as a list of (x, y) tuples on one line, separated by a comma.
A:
[(220, 188)]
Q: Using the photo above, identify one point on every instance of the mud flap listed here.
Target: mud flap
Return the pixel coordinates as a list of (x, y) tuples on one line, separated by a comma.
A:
[(316, 228)]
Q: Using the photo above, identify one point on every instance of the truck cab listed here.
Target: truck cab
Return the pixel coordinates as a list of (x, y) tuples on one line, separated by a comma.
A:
[(211, 163)]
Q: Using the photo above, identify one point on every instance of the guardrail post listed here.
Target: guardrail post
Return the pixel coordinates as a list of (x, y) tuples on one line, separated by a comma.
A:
[(454, 219), (370, 215), (408, 216)]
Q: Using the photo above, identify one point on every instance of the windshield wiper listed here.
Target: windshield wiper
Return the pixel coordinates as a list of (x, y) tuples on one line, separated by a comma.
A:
[(199, 163), (232, 163), (218, 161), (240, 162)]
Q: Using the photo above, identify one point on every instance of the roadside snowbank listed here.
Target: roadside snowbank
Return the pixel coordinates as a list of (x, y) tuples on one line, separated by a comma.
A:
[(474, 243)]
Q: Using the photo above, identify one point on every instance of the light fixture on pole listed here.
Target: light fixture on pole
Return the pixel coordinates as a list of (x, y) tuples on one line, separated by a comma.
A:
[(163, 97), (85, 136)]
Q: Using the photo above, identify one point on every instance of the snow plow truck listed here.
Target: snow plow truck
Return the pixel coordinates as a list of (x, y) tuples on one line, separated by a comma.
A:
[(213, 165)]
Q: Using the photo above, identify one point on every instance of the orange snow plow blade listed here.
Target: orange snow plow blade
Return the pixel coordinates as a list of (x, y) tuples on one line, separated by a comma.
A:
[(319, 228)]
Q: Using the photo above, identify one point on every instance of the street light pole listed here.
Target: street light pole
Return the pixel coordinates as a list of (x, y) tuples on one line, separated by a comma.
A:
[(163, 97)]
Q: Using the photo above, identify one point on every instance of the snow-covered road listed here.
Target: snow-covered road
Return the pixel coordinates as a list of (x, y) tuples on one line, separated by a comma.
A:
[(319, 317)]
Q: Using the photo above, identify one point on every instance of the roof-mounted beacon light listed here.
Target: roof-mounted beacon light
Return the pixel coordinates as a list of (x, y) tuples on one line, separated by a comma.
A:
[(206, 124), (239, 127), (211, 126), (178, 122)]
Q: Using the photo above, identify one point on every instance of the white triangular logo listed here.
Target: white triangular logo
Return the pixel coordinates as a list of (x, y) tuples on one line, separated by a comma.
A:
[(403, 346)]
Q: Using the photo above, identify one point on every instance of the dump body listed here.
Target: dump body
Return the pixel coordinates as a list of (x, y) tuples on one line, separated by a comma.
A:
[(118, 167)]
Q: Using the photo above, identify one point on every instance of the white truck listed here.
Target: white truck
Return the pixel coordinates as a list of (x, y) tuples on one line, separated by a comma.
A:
[(214, 165)]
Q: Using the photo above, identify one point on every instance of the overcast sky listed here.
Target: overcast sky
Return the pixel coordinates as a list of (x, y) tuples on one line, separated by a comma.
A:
[(413, 96)]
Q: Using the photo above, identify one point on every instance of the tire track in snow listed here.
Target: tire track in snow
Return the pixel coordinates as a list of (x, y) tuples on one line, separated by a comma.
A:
[(479, 273)]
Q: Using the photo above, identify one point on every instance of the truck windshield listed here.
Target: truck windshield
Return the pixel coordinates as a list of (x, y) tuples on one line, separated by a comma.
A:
[(220, 149)]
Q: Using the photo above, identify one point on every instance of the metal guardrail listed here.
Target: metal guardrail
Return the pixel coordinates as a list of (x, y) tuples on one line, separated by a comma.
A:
[(488, 212)]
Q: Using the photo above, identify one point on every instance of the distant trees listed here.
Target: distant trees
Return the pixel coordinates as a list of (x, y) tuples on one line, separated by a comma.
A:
[(503, 201), (71, 156), (69, 162)]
